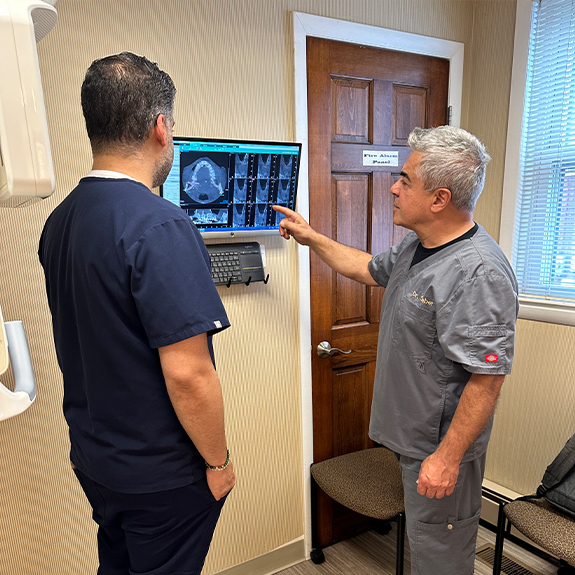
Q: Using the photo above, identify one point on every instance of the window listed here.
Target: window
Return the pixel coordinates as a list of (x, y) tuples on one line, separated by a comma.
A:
[(542, 238)]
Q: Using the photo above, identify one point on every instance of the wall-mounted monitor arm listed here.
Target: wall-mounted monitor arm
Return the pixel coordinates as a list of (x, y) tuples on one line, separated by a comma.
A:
[(14, 349)]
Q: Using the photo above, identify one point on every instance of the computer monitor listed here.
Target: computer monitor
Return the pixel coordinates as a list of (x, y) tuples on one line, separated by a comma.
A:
[(228, 187)]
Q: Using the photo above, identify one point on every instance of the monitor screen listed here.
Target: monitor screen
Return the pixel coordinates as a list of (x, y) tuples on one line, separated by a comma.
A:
[(228, 187)]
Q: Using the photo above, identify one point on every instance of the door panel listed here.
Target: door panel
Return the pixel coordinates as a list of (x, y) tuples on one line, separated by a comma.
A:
[(409, 109), (351, 106), (350, 305), (360, 100), (350, 416)]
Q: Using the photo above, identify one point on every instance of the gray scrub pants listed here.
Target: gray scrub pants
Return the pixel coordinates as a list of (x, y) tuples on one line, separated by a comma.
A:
[(442, 532)]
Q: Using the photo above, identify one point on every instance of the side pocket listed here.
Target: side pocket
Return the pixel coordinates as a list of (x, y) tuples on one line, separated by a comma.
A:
[(445, 548)]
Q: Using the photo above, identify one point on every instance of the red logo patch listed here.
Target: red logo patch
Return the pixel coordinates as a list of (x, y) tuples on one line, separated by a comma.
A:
[(491, 358)]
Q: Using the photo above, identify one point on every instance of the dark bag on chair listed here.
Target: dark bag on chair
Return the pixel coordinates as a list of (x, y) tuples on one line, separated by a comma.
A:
[(558, 483)]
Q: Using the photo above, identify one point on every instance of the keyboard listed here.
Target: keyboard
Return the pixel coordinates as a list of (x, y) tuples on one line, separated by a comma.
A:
[(236, 263)]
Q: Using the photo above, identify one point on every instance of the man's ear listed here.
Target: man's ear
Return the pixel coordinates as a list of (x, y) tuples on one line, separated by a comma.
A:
[(442, 198), (160, 130)]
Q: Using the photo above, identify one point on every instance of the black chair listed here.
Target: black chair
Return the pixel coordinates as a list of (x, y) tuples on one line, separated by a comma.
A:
[(543, 524), (367, 482)]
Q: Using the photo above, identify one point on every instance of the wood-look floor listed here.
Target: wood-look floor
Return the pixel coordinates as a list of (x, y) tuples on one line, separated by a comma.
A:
[(374, 554)]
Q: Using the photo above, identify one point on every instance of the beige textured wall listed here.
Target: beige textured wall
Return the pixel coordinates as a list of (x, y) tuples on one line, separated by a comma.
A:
[(232, 63), (536, 412), (491, 58)]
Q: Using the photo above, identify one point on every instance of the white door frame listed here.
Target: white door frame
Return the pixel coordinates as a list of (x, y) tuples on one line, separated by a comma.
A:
[(309, 25)]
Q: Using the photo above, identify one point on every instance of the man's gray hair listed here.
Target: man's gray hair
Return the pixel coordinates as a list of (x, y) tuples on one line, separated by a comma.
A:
[(451, 158)]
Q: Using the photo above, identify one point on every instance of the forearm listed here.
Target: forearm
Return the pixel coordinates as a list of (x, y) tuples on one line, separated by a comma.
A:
[(196, 395), (475, 408), (439, 471), (199, 405), (345, 260)]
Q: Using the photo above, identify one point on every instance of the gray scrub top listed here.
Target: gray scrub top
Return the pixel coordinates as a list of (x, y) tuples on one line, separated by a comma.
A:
[(450, 315)]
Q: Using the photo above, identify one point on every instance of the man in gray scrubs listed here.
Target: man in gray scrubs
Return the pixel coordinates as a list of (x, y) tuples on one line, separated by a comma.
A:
[(446, 340)]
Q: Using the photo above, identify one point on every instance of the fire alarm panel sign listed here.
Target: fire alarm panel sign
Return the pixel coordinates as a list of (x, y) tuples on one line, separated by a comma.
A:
[(380, 158)]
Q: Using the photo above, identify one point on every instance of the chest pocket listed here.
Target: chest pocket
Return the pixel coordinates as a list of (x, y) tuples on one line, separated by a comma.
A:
[(414, 330)]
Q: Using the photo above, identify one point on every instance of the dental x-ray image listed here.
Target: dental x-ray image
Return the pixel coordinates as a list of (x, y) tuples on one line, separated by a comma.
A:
[(204, 181), (264, 166), (286, 164), (263, 191), (260, 214), (239, 215), (230, 185), (242, 164), (284, 190), (203, 217), (240, 191)]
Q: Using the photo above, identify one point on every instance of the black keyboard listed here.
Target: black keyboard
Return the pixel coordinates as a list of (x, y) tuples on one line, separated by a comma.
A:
[(236, 263)]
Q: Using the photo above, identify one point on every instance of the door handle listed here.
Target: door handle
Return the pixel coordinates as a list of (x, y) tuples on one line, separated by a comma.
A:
[(324, 350)]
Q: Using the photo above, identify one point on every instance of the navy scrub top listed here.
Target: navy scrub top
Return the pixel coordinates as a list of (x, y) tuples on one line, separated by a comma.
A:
[(126, 272)]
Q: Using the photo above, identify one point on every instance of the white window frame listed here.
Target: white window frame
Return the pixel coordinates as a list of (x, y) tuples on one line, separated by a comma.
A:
[(532, 309)]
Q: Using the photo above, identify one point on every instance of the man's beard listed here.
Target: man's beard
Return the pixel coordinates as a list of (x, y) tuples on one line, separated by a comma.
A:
[(163, 166)]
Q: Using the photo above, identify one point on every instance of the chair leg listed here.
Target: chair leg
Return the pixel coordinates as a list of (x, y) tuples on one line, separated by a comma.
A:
[(500, 538), (399, 558), (316, 554), (382, 527)]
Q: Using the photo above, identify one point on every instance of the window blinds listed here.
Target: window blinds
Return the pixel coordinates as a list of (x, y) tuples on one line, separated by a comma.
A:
[(544, 238)]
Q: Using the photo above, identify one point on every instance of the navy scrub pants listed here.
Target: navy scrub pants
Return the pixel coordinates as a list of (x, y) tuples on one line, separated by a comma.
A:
[(163, 533), (443, 532)]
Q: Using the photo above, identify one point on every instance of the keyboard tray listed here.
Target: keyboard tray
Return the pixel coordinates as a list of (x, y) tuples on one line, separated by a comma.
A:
[(236, 263)]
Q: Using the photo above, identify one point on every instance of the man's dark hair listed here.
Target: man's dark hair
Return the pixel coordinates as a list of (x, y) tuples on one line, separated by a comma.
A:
[(122, 96)]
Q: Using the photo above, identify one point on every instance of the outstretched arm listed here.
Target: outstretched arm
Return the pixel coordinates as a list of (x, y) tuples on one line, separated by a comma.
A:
[(344, 260), (438, 473)]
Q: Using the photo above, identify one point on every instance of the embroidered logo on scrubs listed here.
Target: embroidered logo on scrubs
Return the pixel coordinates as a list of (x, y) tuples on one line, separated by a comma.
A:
[(422, 299), (491, 358)]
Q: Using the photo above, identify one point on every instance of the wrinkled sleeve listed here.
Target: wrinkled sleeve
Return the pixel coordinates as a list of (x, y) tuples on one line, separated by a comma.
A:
[(476, 328), (172, 284), (381, 265)]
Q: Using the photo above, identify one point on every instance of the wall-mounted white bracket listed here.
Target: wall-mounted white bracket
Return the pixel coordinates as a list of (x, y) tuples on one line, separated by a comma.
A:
[(14, 350)]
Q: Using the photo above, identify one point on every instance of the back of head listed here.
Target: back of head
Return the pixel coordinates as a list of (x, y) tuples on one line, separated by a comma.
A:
[(122, 96), (451, 158)]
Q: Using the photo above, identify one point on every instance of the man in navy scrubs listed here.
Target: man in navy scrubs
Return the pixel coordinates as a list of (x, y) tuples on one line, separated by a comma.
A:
[(446, 341), (134, 309)]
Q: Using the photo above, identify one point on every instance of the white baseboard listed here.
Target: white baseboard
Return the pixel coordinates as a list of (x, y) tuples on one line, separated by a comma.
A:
[(272, 562), (490, 509)]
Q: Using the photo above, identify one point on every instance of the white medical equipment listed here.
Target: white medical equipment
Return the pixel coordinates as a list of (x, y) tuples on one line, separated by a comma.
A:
[(26, 171), (14, 349)]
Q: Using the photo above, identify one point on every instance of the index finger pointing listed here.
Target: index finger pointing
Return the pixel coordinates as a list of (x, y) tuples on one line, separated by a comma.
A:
[(283, 210)]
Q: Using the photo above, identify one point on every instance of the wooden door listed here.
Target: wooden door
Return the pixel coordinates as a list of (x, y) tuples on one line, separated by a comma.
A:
[(360, 100)]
